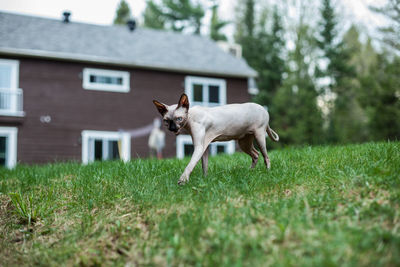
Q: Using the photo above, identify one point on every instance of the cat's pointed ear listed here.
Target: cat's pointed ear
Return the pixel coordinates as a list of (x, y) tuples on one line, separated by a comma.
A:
[(160, 107), (183, 101)]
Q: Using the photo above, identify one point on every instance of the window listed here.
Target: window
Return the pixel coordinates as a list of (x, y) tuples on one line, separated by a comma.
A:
[(10, 94), (205, 91), (106, 149), (252, 88), (3, 150), (106, 80), (8, 146), (99, 145), (184, 147)]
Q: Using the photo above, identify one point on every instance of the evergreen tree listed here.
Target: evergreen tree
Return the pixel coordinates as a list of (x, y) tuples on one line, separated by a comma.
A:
[(271, 65), (153, 16), (381, 98), (295, 110), (261, 35), (216, 24), (123, 13), (249, 18), (175, 15), (342, 127), (361, 57), (244, 20), (375, 105), (251, 45), (263, 44), (392, 32), (332, 47)]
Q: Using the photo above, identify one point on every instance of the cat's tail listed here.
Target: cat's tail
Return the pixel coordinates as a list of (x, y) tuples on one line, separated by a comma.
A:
[(272, 134)]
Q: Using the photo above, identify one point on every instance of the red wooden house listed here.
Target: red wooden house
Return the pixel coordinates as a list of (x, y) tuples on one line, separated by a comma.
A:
[(67, 89)]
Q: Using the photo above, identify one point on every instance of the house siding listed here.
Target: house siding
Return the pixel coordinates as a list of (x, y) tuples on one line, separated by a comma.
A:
[(54, 88)]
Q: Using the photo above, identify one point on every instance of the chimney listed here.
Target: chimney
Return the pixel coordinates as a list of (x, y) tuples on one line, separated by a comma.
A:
[(66, 15), (131, 24)]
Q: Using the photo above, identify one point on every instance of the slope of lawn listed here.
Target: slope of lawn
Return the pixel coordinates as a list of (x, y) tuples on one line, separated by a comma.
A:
[(320, 206)]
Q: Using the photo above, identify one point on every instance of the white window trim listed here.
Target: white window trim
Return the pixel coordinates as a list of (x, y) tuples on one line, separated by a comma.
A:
[(190, 80), (105, 135), (11, 148), (182, 140), (14, 92), (123, 88)]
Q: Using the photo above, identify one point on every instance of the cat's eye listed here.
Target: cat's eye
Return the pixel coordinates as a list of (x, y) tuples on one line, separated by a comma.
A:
[(179, 119)]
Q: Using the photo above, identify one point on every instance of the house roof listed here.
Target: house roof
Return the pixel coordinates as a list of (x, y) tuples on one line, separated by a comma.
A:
[(147, 48)]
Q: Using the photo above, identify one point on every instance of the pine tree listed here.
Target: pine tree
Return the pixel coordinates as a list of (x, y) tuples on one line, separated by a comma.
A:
[(245, 20), (376, 105), (123, 13), (392, 32), (263, 45), (216, 24), (295, 110), (261, 34), (245, 34), (342, 127), (153, 16), (271, 62), (332, 47), (249, 18), (380, 96), (175, 15)]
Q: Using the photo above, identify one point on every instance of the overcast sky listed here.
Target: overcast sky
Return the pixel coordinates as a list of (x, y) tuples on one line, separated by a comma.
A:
[(103, 12)]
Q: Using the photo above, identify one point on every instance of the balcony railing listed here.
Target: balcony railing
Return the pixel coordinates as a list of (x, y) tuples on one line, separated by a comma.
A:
[(11, 102)]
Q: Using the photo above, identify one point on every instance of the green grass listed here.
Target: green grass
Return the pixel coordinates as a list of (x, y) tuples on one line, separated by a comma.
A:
[(319, 206)]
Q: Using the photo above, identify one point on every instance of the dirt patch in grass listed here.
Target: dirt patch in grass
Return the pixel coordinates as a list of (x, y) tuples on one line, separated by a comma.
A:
[(12, 182), (9, 236), (110, 235), (115, 235), (7, 215), (5, 207)]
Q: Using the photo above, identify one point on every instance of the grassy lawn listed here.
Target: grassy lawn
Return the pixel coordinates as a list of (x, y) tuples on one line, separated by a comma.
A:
[(320, 206)]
